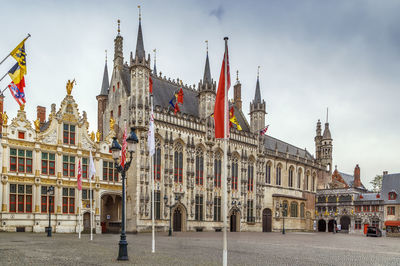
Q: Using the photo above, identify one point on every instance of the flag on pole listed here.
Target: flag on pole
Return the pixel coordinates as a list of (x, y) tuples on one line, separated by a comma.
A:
[(19, 54), (150, 135), (92, 169), (233, 120), (79, 176), (262, 132), (150, 85), (124, 146), (180, 96), (221, 101), (18, 94)]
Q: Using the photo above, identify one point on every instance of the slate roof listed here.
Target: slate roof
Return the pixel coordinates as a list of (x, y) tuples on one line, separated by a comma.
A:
[(349, 179), (139, 43), (257, 96), (327, 132), (391, 183), (271, 143), (105, 84), (126, 79), (207, 72), (369, 197)]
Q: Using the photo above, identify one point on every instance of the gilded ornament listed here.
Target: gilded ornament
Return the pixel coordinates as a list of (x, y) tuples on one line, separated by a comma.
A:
[(37, 125), (22, 107), (112, 123), (70, 85), (4, 116), (92, 136), (98, 135)]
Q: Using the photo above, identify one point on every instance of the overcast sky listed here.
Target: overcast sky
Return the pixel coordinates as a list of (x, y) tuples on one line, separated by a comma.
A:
[(313, 54)]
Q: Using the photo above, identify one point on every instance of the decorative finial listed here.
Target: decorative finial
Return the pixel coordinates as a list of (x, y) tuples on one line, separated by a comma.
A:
[(258, 71), (119, 21), (237, 75), (70, 85), (106, 55), (140, 13), (326, 114), (207, 46)]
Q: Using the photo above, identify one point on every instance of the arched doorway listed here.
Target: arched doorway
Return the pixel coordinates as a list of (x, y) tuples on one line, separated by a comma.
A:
[(345, 223), (86, 222), (177, 220), (111, 212), (331, 225), (321, 226), (234, 220), (267, 220)]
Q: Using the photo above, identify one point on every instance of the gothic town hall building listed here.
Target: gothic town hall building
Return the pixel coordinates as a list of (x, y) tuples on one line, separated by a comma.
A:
[(268, 179)]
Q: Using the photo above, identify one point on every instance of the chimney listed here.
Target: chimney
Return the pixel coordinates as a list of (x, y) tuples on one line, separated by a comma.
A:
[(357, 180), (41, 114), (385, 172)]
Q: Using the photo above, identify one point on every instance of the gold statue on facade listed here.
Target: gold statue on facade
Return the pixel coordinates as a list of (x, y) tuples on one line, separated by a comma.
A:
[(37, 125), (70, 85), (22, 107), (98, 135), (92, 136), (4, 116), (112, 123)]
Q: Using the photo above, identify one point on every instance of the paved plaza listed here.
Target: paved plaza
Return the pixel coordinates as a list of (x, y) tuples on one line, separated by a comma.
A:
[(203, 248)]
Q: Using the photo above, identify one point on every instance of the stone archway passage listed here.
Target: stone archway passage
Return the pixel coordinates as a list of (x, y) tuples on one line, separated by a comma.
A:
[(345, 223), (321, 226), (267, 220), (177, 220), (331, 225)]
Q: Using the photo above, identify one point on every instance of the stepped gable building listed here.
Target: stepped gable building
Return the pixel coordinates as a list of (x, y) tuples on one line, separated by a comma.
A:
[(346, 202), (47, 153), (265, 174), (391, 196)]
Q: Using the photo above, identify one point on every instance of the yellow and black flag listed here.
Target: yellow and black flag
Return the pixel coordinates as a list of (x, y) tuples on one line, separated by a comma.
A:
[(19, 54)]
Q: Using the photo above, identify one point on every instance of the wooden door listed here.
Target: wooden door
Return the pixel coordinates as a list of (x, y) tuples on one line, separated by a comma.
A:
[(233, 222), (267, 220), (177, 220)]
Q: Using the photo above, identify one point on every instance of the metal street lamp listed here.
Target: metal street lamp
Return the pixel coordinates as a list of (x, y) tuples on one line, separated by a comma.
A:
[(170, 206), (284, 213), (116, 149), (50, 191)]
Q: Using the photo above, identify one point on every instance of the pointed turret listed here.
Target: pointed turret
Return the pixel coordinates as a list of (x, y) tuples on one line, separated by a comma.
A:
[(155, 68), (317, 140), (237, 92), (326, 146), (140, 53), (118, 54), (105, 84), (257, 108), (207, 73), (102, 99), (207, 91)]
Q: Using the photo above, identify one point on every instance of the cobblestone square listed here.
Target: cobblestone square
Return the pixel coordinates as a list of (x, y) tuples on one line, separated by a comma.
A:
[(203, 248)]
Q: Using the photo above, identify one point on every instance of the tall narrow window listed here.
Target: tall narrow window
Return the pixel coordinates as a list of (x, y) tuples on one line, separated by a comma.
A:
[(199, 208), (302, 208), (217, 209), (290, 179), (250, 217), (110, 172), (69, 134), (278, 175), (293, 209), (306, 184), (69, 200), (178, 166), (47, 202), (285, 208), (20, 161), (235, 174), (299, 179), (391, 211), (250, 177), (217, 172), (84, 167), (68, 166), (157, 205), (199, 167), (268, 174), (48, 163), (313, 183), (20, 198), (157, 162), (119, 110)]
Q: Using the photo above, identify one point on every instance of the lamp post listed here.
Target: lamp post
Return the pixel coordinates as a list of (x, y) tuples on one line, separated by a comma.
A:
[(170, 206), (50, 191), (115, 149), (284, 213)]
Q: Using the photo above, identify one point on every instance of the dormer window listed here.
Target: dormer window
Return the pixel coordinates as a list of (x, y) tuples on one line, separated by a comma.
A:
[(69, 134), (392, 195)]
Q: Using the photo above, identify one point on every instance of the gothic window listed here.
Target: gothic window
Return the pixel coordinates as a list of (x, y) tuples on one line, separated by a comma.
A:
[(250, 177), (69, 134), (268, 173), (392, 195), (290, 181), (217, 170), (306, 183), (250, 217), (293, 209), (199, 208), (302, 207), (235, 174), (299, 179), (178, 164), (313, 183), (278, 175), (217, 209), (157, 205), (343, 198), (21, 198), (199, 167), (157, 161)]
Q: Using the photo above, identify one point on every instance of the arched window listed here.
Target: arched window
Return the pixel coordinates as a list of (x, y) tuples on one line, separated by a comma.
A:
[(157, 161), (268, 173), (285, 208), (217, 170), (278, 175), (178, 164), (313, 183), (299, 179), (235, 174), (302, 207), (306, 184), (199, 166), (293, 209), (392, 195), (250, 177), (290, 179)]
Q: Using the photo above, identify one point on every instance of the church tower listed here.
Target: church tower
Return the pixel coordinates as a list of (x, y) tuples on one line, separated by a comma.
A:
[(317, 140), (102, 99), (237, 92), (207, 91), (326, 146), (140, 73), (118, 53), (257, 109)]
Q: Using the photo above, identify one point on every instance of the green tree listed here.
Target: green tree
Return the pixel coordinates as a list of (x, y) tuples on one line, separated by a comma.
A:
[(376, 183)]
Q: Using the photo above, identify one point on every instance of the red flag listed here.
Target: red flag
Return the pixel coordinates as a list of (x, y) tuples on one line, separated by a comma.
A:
[(180, 96), (221, 100), (124, 145), (176, 108), (79, 176), (150, 85)]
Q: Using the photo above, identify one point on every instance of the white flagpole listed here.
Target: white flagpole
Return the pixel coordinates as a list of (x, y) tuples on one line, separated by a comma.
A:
[(224, 184), (80, 214), (91, 210), (153, 240)]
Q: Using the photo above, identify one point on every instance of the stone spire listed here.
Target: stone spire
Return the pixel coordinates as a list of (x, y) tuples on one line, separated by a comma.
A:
[(327, 132), (257, 109), (237, 92), (140, 53), (105, 84), (118, 54), (155, 68), (257, 96), (207, 72)]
